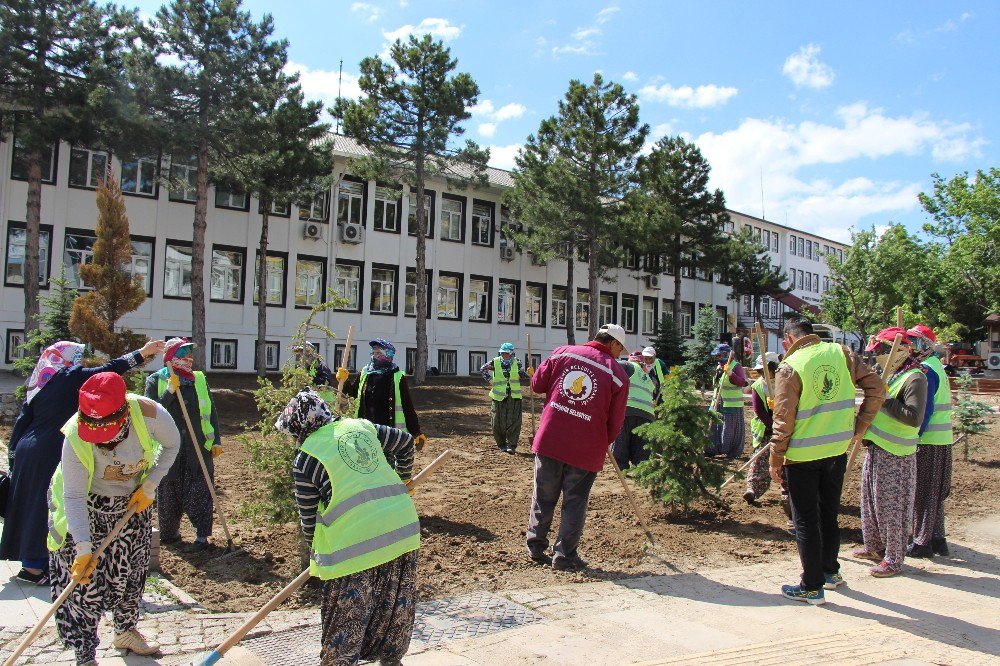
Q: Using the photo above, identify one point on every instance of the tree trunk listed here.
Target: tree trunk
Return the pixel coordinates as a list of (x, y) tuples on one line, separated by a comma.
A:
[(420, 372), (570, 298), (262, 292), (198, 258), (33, 219), (678, 269), (595, 295)]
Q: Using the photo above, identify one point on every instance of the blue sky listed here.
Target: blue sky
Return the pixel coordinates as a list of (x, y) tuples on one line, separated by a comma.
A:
[(838, 112)]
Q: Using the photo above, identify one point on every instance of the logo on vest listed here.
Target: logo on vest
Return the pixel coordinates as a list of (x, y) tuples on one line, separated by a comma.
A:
[(357, 451), (825, 382), (578, 385)]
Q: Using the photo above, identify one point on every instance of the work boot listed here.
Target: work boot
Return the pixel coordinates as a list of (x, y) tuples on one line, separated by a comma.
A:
[(539, 556), (133, 641), (940, 546), (917, 550), (750, 498), (575, 563)]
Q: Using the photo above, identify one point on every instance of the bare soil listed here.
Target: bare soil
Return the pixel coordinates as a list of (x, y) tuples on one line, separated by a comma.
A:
[(474, 513)]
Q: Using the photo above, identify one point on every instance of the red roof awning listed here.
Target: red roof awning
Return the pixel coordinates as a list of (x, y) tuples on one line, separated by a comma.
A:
[(797, 304)]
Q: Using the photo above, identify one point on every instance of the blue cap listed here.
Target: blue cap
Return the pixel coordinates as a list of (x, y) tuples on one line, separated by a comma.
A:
[(383, 343), (507, 348), (722, 350)]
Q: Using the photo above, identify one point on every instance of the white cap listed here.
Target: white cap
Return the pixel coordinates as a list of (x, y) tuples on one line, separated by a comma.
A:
[(615, 331), (649, 351), (772, 357)]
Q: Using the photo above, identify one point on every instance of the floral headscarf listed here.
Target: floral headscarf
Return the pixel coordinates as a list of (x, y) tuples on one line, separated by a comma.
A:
[(54, 358), (303, 415)]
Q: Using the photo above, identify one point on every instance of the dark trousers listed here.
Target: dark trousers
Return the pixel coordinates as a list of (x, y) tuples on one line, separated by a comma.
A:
[(629, 448), (553, 478), (814, 489)]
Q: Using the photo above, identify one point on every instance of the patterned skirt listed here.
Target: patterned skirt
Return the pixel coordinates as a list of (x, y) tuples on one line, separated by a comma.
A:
[(728, 437), (887, 487)]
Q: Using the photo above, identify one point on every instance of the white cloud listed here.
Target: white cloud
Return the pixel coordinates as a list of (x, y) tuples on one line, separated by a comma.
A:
[(783, 154), (605, 14), (630, 76), (437, 28), (491, 116), (487, 129), (586, 48), (583, 33), (695, 98), (805, 70), (371, 12), (509, 111), (583, 38), (321, 84), (502, 157)]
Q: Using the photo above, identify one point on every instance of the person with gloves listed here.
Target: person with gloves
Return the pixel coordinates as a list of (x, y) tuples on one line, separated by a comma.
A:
[(658, 371), (117, 449), (759, 475), (381, 392), (889, 472), (361, 526), (629, 448), (504, 376), (730, 378), (933, 452), (307, 357), (184, 491)]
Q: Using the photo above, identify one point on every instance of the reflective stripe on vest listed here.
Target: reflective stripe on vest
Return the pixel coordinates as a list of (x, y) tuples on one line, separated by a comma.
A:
[(499, 389), (204, 405), (658, 369), (640, 390), (938, 431), (398, 415), (824, 423), (732, 395), (757, 428), (85, 452), (370, 519), (890, 433)]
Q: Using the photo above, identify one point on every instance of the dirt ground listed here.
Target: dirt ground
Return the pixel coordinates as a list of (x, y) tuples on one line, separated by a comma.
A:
[(474, 513)]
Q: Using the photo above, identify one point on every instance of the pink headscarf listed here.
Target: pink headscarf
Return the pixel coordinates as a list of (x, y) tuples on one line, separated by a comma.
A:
[(54, 358)]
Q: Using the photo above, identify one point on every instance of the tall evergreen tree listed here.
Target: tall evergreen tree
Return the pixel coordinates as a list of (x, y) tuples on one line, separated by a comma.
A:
[(408, 118), (208, 62), (749, 270), (60, 65), (667, 342), (573, 181), (684, 222), (698, 354), (53, 323)]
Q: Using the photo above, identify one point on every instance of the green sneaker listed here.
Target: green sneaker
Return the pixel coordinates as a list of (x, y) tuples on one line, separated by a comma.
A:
[(833, 581), (796, 593)]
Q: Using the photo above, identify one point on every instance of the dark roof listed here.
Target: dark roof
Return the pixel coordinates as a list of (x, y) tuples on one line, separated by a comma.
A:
[(992, 320), (797, 304)]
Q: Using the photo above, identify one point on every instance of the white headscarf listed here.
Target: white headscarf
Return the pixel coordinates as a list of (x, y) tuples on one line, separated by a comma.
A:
[(54, 358)]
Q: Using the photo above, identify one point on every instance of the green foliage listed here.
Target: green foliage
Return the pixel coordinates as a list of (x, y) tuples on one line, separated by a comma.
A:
[(701, 366), (407, 118), (573, 180), (677, 471), (114, 290), (750, 271), (667, 342), (53, 325), (969, 416)]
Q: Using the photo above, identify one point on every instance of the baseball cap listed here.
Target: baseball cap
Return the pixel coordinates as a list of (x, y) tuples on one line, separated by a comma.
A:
[(649, 351), (103, 408), (615, 331)]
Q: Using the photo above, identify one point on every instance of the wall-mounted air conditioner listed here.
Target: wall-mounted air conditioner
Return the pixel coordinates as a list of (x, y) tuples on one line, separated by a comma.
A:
[(993, 361), (352, 233), (506, 252), (653, 281), (312, 230)]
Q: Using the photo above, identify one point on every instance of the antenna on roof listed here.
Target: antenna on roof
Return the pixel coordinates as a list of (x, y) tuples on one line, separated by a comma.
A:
[(340, 80)]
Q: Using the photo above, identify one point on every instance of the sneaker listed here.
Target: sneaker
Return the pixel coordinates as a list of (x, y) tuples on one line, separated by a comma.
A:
[(750, 498), (510, 450), (575, 563), (883, 570), (833, 581), (865, 554), (133, 641), (940, 547), (41, 578), (540, 557), (917, 550), (796, 593)]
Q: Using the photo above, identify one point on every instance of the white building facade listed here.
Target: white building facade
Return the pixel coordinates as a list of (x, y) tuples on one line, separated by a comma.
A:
[(358, 241)]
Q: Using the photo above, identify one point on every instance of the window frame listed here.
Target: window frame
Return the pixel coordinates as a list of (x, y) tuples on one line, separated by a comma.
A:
[(614, 307), (565, 303), (543, 310), (634, 298), (220, 190), (487, 317), (474, 365), (491, 232), (352, 364), (272, 254), (324, 197), (398, 202), (582, 301), (642, 315), (722, 312), (53, 165), (243, 272), (688, 310), (187, 167), (462, 201), (90, 164), (236, 350), (166, 250), (347, 178), (9, 359), (152, 258), (273, 213), (430, 287), (410, 360), (395, 289), (138, 161), (83, 233), (277, 360), (516, 309), (461, 293), (360, 265), (322, 279), (430, 196), (43, 283), (441, 356)]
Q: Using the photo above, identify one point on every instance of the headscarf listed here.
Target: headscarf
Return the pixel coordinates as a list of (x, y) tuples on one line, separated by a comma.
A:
[(506, 348), (381, 363), (54, 358), (170, 349), (303, 415)]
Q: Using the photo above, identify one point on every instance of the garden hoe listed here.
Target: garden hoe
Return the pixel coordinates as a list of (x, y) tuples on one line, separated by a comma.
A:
[(242, 657)]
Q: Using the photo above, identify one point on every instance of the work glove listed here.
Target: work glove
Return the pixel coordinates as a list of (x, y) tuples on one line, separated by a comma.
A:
[(530, 372), (409, 489), (142, 498), (83, 566), (173, 383), (770, 403), (342, 375), (216, 451), (419, 442)]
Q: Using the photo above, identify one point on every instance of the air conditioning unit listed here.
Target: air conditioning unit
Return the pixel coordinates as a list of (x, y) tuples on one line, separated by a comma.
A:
[(312, 230), (653, 281), (507, 252), (352, 233), (993, 361)]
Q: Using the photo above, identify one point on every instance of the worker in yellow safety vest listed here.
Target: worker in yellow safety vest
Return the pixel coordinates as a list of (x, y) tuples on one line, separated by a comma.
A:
[(629, 448), (504, 375)]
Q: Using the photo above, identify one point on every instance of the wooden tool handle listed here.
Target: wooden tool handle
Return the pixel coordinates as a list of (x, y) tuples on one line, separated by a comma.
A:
[(745, 465), (343, 362), (423, 474), (631, 498)]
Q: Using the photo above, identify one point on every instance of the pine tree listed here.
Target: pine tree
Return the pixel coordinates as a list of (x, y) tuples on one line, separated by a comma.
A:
[(114, 290), (677, 471), (667, 342), (750, 272), (699, 354), (53, 323)]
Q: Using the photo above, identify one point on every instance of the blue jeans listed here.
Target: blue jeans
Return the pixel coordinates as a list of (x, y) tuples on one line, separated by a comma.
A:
[(42, 564)]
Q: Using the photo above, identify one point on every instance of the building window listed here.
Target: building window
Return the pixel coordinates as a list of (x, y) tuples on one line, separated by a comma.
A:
[(802, 279), (507, 305), (840, 256), (774, 309), (448, 361), (272, 352), (809, 249), (826, 283), (449, 296), (809, 281), (87, 167), (231, 199), (141, 263), (722, 314), (224, 354), (177, 270), (19, 163), (277, 209), (628, 313), (184, 180), (606, 306), (338, 357), (532, 361), (559, 307), (17, 238), (351, 202), (410, 293), (411, 360), (482, 222), (631, 259), (411, 216), (685, 322), (452, 210), (315, 209), (766, 239), (77, 251), (139, 176), (276, 270), (816, 282), (310, 281), (227, 273), (387, 209), (347, 284), (477, 359), (774, 241), (15, 340), (384, 280), (534, 304), (648, 316), (479, 298), (582, 309)]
